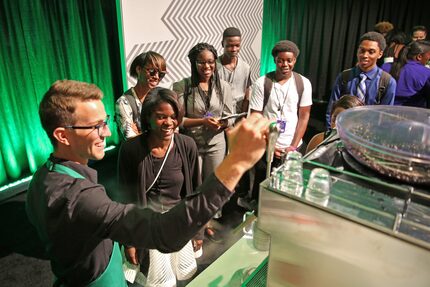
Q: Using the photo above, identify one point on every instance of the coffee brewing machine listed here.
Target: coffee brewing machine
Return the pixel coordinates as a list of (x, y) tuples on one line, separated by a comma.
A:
[(373, 226)]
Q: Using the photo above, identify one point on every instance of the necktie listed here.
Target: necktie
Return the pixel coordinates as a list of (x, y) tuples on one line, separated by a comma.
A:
[(361, 90)]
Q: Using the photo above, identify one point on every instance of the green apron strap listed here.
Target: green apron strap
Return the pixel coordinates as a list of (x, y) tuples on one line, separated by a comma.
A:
[(62, 169), (113, 276)]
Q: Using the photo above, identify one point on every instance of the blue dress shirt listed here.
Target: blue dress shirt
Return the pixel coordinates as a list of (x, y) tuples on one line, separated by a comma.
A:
[(372, 86)]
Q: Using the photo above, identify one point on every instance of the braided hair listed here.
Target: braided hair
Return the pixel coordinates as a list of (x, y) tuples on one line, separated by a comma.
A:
[(192, 56)]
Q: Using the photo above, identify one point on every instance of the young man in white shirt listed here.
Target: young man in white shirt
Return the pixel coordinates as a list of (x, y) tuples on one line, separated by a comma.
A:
[(288, 102)]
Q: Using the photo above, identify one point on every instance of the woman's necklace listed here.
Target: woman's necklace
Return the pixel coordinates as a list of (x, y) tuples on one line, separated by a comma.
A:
[(205, 95)]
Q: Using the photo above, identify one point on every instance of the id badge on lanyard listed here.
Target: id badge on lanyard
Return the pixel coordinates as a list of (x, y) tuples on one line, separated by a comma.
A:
[(208, 115), (281, 124)]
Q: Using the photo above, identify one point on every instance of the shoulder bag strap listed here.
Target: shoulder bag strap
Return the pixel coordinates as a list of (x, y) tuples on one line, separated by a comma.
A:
[(384, 81), (162, 165), (300, 87), (268, 83), (346, 76), (132, 102)]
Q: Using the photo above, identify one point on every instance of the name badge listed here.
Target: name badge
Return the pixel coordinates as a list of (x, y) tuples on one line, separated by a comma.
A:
[(208, 115), (281, 124)]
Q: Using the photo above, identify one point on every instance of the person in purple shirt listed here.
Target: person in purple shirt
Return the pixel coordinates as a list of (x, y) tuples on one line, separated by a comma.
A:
[(413, 78), (371, 48)]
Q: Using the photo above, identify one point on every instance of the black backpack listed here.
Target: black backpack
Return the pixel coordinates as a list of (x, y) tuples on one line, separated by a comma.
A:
[(268, 83), (384, 81)]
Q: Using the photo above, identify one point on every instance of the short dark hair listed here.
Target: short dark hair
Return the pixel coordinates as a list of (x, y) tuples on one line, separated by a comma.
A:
[(346, 102), (285, 46), (383, 27), (376, 37), (58, 105), (419, 28), (231, 32), (153, 100), (145, 58)]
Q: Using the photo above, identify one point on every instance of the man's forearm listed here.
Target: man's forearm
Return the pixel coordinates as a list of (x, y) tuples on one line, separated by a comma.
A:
[(229, 172), (170, 231), (302, 124)]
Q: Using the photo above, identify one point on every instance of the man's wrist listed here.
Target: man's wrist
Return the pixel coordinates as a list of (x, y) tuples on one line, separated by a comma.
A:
[(290, 148), (230, 171)]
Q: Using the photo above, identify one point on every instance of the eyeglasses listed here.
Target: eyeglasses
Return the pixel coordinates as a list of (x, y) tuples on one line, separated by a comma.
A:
[(202, 63), (100, 127), (152, 72)]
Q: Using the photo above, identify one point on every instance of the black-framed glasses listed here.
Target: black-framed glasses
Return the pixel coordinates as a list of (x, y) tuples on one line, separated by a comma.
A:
[(202, 63), (99, 127), (152, 72)]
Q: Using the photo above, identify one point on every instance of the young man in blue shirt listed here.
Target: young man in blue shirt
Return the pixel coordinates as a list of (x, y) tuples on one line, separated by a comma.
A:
[(364, 80)]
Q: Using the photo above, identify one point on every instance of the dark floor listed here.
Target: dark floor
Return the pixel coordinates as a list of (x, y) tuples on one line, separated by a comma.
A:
[(22, 261)]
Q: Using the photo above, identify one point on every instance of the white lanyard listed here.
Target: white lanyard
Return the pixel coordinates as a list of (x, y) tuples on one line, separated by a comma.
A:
[(281, 107), (162, 165)]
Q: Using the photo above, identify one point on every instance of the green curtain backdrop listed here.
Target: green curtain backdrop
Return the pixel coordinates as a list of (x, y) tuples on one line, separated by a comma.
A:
[(327, 32), (42, 41)]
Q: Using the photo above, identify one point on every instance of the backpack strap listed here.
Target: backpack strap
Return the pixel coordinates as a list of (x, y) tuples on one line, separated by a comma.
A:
[(128, 95), (132, 102), (384, 81), (300, 87), (346, 76), (268, 83), (187, 92)]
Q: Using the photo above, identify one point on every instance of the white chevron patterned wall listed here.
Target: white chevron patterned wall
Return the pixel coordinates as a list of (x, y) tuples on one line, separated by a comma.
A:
[(173, 27)]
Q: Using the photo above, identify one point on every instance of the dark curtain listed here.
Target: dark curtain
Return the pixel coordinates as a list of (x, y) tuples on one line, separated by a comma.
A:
[(327, 32), (42, 41)]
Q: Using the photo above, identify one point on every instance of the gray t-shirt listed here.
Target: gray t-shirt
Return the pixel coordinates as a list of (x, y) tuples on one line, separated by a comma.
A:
[(239, 80)]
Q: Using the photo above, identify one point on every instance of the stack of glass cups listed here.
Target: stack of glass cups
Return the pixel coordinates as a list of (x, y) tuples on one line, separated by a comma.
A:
[(292, 174), (319, 185), (276, 178)]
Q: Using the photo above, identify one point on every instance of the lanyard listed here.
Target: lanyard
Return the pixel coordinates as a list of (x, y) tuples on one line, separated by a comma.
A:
[(206, 97), (281, 107)]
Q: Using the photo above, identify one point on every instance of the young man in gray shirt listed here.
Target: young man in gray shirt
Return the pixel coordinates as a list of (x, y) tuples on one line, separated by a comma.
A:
[(237, 73)]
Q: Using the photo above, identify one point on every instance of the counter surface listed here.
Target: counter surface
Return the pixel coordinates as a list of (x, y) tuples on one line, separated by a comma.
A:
[(232, 267)]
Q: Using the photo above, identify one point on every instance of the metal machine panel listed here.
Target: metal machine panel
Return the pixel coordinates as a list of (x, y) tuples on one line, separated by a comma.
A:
[(370, 234)]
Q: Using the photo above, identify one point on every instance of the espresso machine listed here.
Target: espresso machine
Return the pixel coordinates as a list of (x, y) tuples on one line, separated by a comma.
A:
[(374, 229)]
